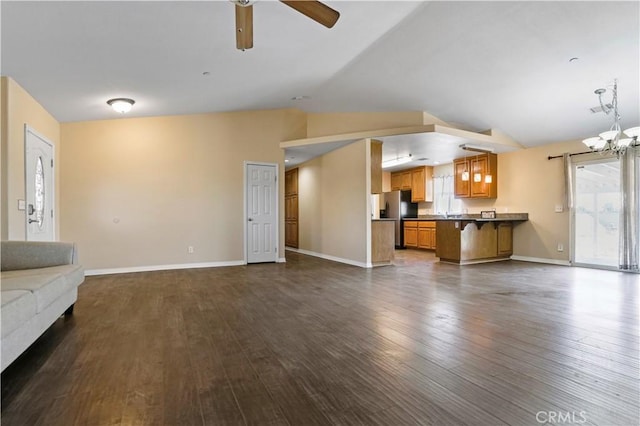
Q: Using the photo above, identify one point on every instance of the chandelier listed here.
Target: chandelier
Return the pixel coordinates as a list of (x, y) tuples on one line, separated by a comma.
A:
[(613, 140)]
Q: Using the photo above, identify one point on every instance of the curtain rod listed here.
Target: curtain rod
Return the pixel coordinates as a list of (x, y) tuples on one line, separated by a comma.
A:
[(570, 155)]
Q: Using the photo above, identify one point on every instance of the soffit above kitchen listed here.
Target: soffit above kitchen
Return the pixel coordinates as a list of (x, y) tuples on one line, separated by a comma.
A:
[(429, 145), (476, 65)]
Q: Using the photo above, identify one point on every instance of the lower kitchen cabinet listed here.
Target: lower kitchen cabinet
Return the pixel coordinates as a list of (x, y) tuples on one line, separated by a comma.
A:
[(505, 239), (427, 235), (420, 234), (411, 234)]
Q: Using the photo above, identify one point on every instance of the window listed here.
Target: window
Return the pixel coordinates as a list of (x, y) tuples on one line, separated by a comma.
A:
[(443, 196)]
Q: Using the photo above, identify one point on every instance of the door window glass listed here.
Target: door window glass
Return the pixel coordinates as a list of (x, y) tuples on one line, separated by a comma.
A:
[(39, 193)]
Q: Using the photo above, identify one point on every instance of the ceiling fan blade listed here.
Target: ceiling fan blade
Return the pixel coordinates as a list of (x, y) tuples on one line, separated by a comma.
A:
[(244, 27), (315, 10)]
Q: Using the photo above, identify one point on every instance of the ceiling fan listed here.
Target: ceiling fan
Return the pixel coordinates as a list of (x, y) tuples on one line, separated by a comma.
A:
[(315, 10)]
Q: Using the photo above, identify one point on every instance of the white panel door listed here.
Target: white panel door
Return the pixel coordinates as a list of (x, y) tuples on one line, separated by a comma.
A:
[(39, 187), (262, 218)]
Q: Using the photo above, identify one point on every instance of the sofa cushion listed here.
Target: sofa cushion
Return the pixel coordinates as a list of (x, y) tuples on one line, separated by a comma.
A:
[(18, 306), (45, 287), (74, 274)]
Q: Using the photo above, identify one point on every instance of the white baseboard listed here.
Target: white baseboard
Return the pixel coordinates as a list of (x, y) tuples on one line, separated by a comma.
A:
[(329, 257), (151, 268), (281, 260), (542, 260)]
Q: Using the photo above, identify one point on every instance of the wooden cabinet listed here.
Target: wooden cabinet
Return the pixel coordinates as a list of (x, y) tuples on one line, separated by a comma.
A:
[(291, 182), (505, 239), (411, 234), (471, 176), (418, 180), (396, 181), (427, 235), (420, 234), (461, 170), (291, 234), (376, 167), (422, 184), (291, 208), (405, 180), (401, 181)]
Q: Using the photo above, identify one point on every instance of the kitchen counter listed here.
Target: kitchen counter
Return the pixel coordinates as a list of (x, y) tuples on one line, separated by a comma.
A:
[(500, 217), (467, 239)]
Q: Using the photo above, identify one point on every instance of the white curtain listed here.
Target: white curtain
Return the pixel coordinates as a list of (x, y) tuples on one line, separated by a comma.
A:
[(443, 196), (568, 180), (629, 213)]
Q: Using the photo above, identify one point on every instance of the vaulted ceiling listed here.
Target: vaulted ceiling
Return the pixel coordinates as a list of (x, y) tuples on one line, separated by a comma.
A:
[(478, 65)]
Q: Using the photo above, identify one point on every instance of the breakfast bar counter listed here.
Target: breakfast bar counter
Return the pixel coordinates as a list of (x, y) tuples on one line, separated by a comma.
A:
[(467, 239)]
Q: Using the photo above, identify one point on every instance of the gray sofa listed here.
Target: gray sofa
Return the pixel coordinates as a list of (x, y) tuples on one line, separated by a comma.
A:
[(39, 282)]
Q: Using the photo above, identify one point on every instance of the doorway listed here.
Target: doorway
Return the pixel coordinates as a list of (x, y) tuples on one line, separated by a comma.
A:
[(596, 214), (261, 200), (39, 187)]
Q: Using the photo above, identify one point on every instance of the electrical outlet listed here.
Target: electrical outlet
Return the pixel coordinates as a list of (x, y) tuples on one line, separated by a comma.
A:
[(560, 247), (559, 208), (190, 249)]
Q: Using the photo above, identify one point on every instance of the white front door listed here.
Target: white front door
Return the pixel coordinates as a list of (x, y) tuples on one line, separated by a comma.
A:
[(39, 187), (262, 213)]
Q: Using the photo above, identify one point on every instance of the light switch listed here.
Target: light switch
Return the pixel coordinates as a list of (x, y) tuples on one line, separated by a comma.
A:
[(21, 205)]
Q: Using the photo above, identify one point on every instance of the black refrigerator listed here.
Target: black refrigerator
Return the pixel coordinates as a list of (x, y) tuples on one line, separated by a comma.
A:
[(397, 205)]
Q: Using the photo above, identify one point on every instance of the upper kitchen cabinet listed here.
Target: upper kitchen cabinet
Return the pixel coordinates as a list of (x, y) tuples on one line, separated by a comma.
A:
[(396, 181), (376, 167), (401, 181), (422, 184), (418, 180), (476, 177)]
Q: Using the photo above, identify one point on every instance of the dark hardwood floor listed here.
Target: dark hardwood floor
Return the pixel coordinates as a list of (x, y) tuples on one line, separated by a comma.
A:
[(313, 342)]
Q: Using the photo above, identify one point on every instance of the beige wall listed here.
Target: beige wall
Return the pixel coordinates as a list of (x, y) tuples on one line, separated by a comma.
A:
[(18, 109), (324, 124), (333, 203), (529, 182), (137, 192)]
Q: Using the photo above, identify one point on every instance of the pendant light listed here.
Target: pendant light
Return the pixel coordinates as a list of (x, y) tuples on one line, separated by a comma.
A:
[(477, 177), (488, 178)]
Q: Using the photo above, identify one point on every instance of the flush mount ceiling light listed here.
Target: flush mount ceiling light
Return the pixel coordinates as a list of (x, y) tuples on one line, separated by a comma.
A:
[(613, 140), (121, 105), (396, 161)]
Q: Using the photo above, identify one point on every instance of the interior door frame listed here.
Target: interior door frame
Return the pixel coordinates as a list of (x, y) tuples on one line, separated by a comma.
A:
[(572, 221), (246, 213), (54, 219)]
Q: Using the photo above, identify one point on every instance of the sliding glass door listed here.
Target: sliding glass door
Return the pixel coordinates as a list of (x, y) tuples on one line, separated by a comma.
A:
[(596, 230)]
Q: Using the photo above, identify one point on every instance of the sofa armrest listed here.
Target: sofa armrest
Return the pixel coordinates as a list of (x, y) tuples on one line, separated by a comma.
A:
[(17, 255)]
